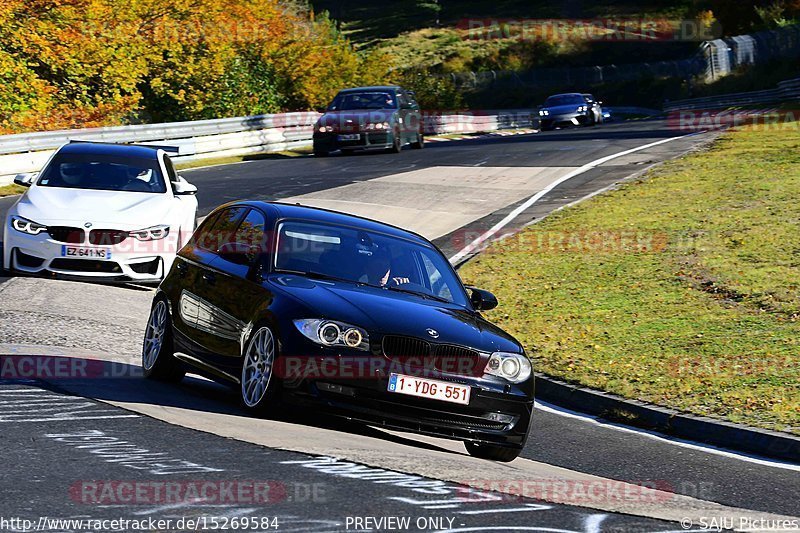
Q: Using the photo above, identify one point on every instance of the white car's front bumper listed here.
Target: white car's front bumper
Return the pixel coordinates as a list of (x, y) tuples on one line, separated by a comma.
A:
[(130, 260)]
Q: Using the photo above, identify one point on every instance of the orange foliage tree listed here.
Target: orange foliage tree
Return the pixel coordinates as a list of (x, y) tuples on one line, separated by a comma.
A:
[(83, 63)]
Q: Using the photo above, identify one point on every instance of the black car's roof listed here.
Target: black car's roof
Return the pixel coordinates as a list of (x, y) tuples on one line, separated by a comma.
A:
[(118, 150), (580, 95), (371, 88), (317, 214)]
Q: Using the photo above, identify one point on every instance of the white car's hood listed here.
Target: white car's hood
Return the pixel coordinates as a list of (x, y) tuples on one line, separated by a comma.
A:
[(75, 207)]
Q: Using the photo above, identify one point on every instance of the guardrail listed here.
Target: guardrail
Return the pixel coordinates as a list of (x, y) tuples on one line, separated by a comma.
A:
[(238, 136), (786, 91)]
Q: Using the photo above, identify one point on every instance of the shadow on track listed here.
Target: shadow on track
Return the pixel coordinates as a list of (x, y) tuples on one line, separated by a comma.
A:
[(122, 382)]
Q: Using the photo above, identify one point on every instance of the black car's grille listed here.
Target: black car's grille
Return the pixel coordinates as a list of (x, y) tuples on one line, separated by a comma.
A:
[(107, 237), (458, 360), (85, 265), (404, 347), (66, 234), (426, 416), (452, 359)]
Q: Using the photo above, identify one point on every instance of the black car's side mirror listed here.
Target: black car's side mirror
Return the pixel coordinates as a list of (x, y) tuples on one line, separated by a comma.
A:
[(482, 300)]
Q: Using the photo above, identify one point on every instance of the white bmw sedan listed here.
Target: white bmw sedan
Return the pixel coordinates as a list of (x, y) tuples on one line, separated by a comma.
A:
[(106, 212)]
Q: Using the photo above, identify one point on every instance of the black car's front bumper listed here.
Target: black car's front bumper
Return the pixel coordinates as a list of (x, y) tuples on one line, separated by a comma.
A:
[(498, 412), (330, 142)]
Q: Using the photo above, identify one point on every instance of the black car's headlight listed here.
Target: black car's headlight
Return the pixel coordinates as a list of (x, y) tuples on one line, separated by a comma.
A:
[(153, 233), (514, 367), (24, 225), (333, 333), (543, 112)]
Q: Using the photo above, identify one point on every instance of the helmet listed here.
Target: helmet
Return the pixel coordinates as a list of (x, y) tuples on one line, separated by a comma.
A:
[(72, 173)]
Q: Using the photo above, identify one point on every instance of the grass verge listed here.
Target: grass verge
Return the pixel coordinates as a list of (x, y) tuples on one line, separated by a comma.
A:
[(11, 189), (681, 288)]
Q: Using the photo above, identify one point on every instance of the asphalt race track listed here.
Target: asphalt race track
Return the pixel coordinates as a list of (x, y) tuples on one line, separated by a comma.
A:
[(323, 473)]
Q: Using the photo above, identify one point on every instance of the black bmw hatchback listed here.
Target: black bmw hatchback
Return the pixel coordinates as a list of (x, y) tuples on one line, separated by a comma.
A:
[(308, 307)]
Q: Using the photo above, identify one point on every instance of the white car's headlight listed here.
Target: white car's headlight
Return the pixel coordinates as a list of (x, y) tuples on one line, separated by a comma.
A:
[(514, 367), (153, 233), (24, 225), (333, 333)]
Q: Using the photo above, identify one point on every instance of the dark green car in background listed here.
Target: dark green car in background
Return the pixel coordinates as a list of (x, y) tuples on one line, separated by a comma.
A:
[(362, 118)]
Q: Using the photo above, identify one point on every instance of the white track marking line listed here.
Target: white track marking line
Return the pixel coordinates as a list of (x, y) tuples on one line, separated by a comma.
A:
[(474, 245), (683, 443)]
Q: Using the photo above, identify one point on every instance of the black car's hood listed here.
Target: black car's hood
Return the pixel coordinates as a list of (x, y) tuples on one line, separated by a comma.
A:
[(562, 109), (388, 312)]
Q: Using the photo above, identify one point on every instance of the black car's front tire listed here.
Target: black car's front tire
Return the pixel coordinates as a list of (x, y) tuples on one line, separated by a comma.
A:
[(492, 452), (258, 385), (158, 361)]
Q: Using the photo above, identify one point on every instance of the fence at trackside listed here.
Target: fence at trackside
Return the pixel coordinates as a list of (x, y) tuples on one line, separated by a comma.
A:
[(787, 91), (202, 139)]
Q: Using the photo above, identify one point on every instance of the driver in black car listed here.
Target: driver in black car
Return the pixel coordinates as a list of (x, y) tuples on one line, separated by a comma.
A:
[(378, 270)]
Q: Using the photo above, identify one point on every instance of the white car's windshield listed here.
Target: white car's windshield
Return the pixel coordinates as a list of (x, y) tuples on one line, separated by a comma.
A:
[(359, 256), (104, 173)]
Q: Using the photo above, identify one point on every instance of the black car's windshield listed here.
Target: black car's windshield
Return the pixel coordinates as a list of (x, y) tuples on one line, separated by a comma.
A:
[(564, 99), (365, 100), (103, 173), (328, 251)]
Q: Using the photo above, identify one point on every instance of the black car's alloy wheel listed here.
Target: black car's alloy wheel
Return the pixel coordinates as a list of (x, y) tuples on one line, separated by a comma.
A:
[(257, 383), (491, 452), (158, 361)]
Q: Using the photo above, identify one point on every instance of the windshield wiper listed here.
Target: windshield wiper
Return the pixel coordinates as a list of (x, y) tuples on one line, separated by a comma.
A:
[(316, 275), (421, 294)]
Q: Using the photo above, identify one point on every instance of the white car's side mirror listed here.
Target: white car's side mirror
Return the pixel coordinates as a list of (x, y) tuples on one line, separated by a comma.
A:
[(26, 180), (184, 187)]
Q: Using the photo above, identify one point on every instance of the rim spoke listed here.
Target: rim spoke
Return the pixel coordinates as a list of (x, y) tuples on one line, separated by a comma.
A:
[(257, 368), (154, 335)]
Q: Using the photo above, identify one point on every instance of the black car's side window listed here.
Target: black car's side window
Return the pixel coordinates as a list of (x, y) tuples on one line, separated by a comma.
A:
[(250, 239), (220, 230)]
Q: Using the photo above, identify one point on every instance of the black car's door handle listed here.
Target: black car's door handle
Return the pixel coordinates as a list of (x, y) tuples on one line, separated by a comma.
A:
[(210, 277)]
